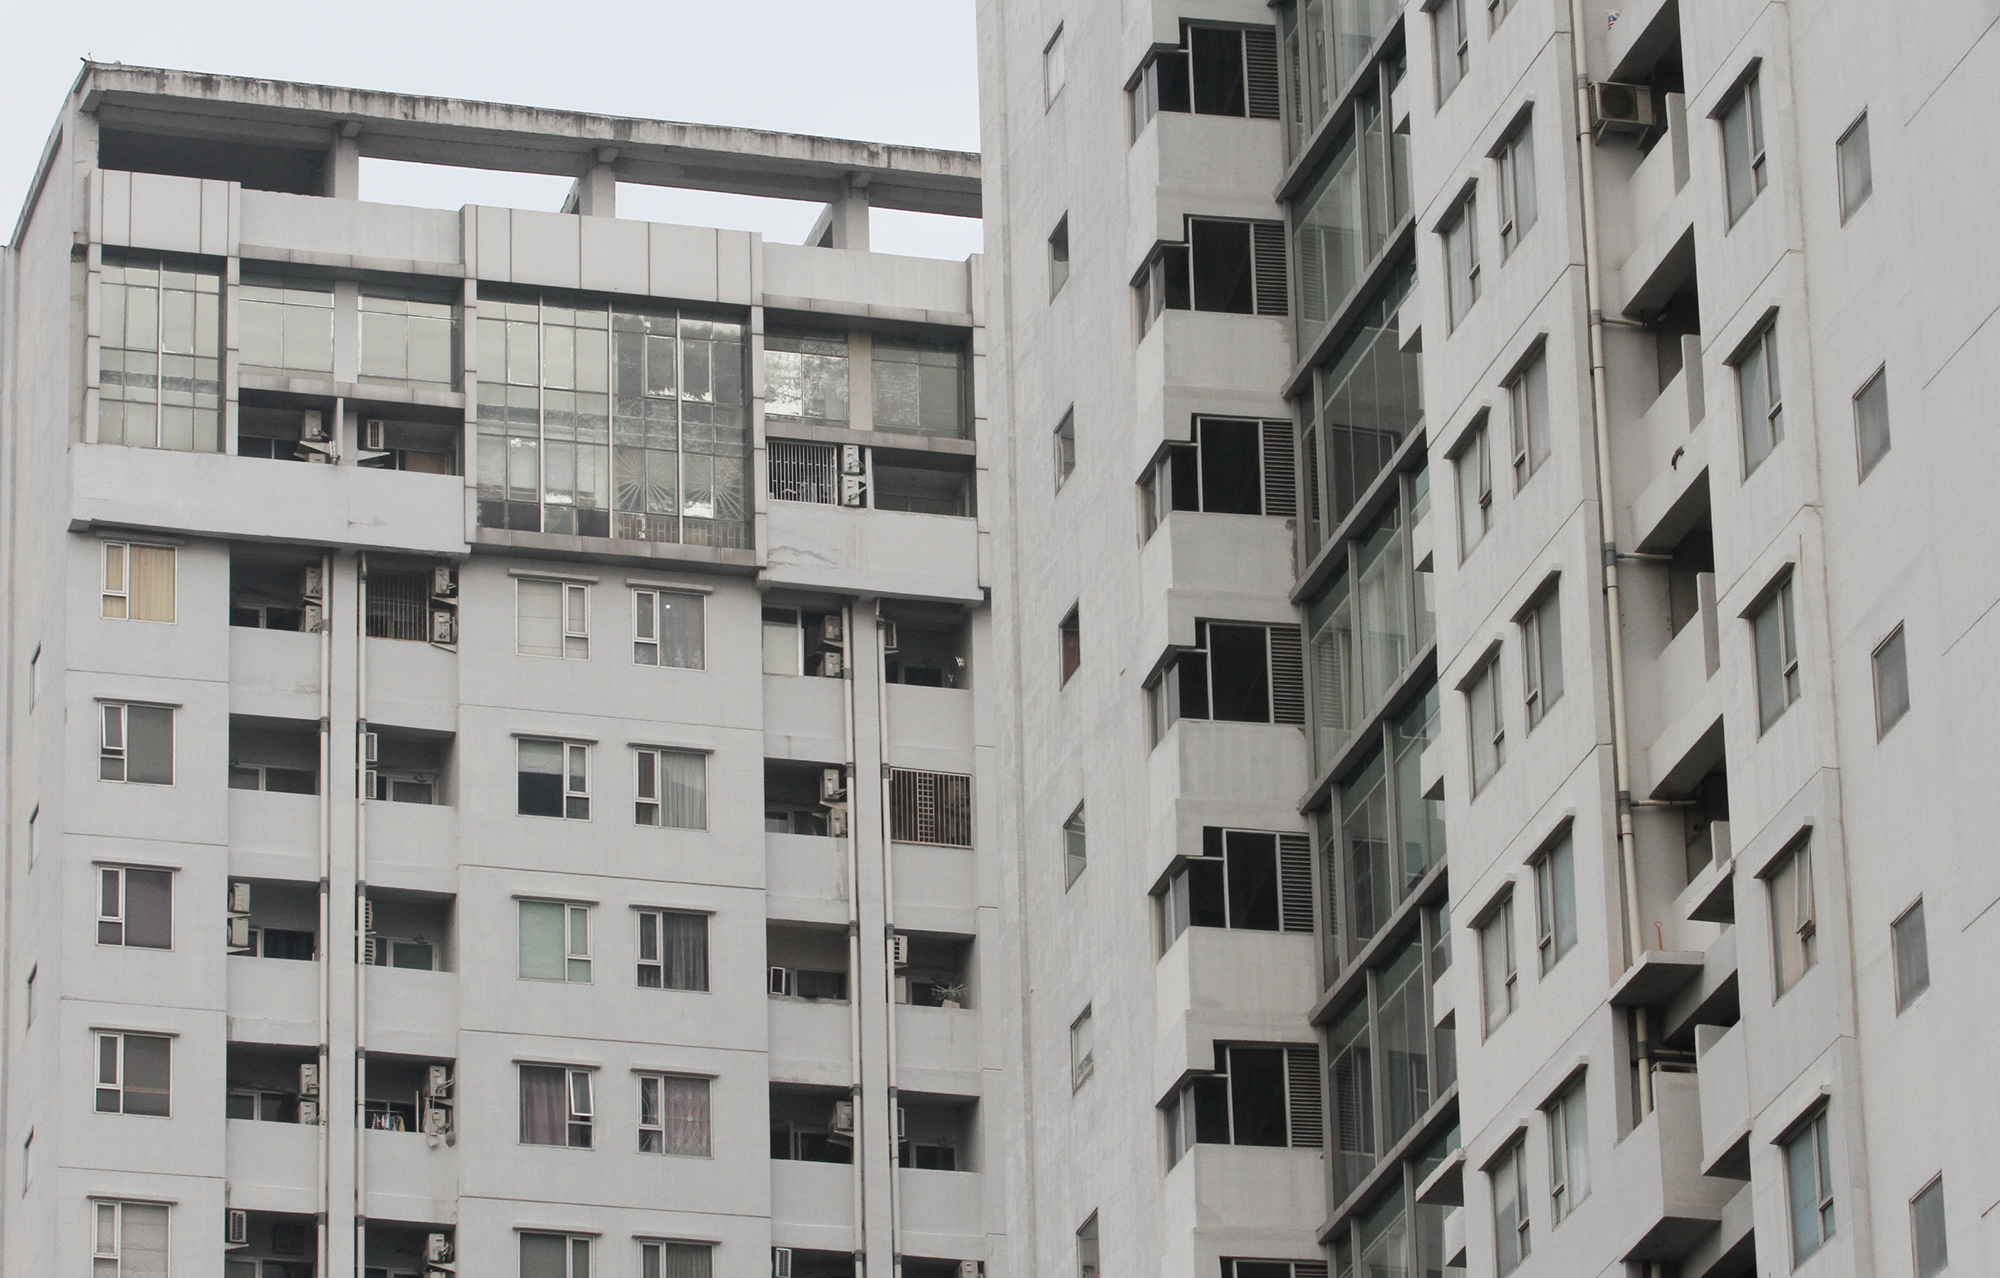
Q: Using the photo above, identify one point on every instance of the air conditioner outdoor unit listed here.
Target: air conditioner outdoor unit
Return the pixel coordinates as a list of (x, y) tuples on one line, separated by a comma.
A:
[(829, 628), (437, 1086), (437, 1247), (836, 821), (832, 665), (853, 490), (313, 586), (444, 626), (314, 620), (239, 933), (309, 1112), (437, 1122), (832, 784), (238, 1233), (312, 424), (369, 747), (843, 1117), (781, 980), (309, 1079), (444, 582), (1620, 108), (969, 1269), (851, 460), (239, 898), (781, 1262), (371, 434), (890, 642), (899, 950)]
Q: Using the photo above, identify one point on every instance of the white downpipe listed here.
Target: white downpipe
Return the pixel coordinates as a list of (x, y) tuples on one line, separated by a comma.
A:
[(889, 930), (853, 937), (360, 918), (1600, 410), (324, 1168)]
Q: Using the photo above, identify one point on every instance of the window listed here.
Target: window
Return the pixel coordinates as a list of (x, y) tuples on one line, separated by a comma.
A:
[(1245, 879), (1871, 421), (129, 1241), (1496, 12), (1052, 69), (673, 950), (1081, 1039), (1498, 988), (285, 326), (555, 1256), (1358, 196), (1528, 409), (138, 582), (673, 1115), (1857, 174), (1913, 956), (1234, 267), (1541, 655), (138, 745), (1569, 1152), (1510, 1208), (807, 643), (1461, 254), (1451, 45), (1809, 1182), (409, 337), (1232, 467), (1076, 853), (1388, 1057), (160, 360), (806, 376), (555, 941), (1794, 920), (28, 1000), (1216, 71), (1743, 170), (1235, 673), (675, 1260), (671, 789), (668, 629), (1070, 638), (1488, 724), (1065, 441), (135, 907), (1927, 1230), (1086, 1248), (28, 1162), (132, 1073), (602, 421), (921, 386), (555, 1106), (1059, 255), (1892, 683), (1474, 465), (34, 836), (1759, 398), (1555, 903), (1777, 652), (930, 807), (554, 619), (553, 779), (1517, 180), (34, 676), (1274, 1268), (1258, 1095)]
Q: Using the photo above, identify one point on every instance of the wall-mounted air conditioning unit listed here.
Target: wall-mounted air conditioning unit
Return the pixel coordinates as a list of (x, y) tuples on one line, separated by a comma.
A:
[(843, 1118), (238, 1227), (832, 785), (830, 629), (853, 490), (852, 460), (444, 627), (1620, 108), (781, 1262), (444, 582), (899, 950)]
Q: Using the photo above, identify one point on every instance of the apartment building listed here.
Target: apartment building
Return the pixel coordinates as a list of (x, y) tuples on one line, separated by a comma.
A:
[(501, 706), (1497, 559)]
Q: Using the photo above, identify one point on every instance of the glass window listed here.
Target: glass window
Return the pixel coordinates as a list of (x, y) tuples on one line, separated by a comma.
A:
[(1776, 644), (1451, 45), (1053, 73), (1857, 173), (673, 1115), (1474, 468), (553, 619), (554, 1256), (553, 779), (285, 326), (1759, 398), (138, 744), (1059, 255), (555, 941), (1871, 421), (1528, 405), (1541, 656), (556, 1106), (1351, 1089), (159, 363), (1324, 44), (1517, 182), (806, 376), (1461, 256), (1384, 606), (1498, 986), (1244, 879), (1488, 724), (1809, 1186), (132, 1074), (1065, 447), (668, 629), (1794, 916), (1913, 957), (673, 950), (138, 581), (671, 788), (409, 337), (135, 907), (1235, 673), (1555, 903), (1081, 1046), (1345, 216), (1510, 1208), (1927, 1230), (1076, 850), (128, 1240), (1086, 1248), (1335, 670), (1569, 1152), (920, 387), (1892, 683), (1743, 170), (675, 1260)]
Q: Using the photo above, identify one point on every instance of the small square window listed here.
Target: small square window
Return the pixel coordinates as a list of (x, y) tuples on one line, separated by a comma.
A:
[(1082, 1041), (553, 778), (1070, 635), (1075, 852)]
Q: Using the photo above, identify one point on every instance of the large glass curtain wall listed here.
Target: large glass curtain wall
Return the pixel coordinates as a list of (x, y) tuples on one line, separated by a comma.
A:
[(1345, 217), (1324, 43), (1365, 399), (1395, 1236), (160, 358), (1367, 623), (1380, 836), (604, 421)]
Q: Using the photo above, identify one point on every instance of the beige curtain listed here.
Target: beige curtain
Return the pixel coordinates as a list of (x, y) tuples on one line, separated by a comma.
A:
[(152, 583)]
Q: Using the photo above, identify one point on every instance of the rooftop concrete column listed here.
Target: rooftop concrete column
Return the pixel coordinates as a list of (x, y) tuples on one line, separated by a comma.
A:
[(341, 179), (596, 192), (844, 224)]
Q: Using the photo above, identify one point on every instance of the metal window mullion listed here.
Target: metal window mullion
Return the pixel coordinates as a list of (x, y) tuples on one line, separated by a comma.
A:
[(1378, 1118)]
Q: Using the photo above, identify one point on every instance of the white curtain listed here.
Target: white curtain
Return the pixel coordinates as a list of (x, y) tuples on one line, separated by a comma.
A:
[(142, 1244), (685, 946), (539, 631), (684, 790), (686, 1115), (681, 639)]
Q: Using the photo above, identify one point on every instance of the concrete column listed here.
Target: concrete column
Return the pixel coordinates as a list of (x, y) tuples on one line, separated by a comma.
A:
[(875, 1141), (844, 224), (341, 178), (339, 1103), (596, 191)]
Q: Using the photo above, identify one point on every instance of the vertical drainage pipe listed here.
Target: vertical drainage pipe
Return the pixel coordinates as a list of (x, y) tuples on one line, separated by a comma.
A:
[(1600, 410), (361, 916), (325, 1167), (888, 943), (854, 1088)]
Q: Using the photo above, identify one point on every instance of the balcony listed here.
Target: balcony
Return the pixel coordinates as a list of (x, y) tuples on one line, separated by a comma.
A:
[(807, 877), (273, 673), (943, 1213), (1659, 204), (812, 1205), (1250, 1187), (1722, 1056), (412, 1012), (874, 551), (930, 727), (264, 822), (272, 1166), (1666, 1204), (937, 1049), (937, 888), (413, 845), (409, 1178), (413, 684), (809, 1042), (273, 1000), (210, 495), (805, 717)]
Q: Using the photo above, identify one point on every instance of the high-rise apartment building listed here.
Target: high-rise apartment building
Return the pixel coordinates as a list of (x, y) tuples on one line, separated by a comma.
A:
[(500, 706), (1507, 589)]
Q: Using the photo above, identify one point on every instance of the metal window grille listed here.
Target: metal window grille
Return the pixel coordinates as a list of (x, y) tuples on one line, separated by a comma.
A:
[(804, 472), (1260, 67), (1280, 470), (930, 807), (1295, 885), (399, 605), (1308, 1112), (1288, 677), (1268, 253)]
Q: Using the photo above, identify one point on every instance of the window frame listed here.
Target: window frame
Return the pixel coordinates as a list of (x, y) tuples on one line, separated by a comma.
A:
[(1475, 444), (1459, 51), (117, 1084), (1756, 366), (1876, 385), (570, 1242), (1483, 684), (1082, 1049), (658, 915), (1797, 922), (574, 758), (1812, 1135), (1778, 687), (121, 919), (1519, 205), (576, 938), (1507, 989), (1064, 440), (1459, 230), (1528, 421), (1888, 715), (1059, 256), (122, 590), (1922, 1265), (658, 1080), (114, 1249), (1541, 653), (1567, 1115), (1556, 861), (121, 752), (1055, 72), (575, 642), (1747, 95), (1076, 848), (1512, 1161), (1069, 641), (577, 1086), (658, 755), (1851, 201), (647, 605), (654, 1253), (1909, 932)]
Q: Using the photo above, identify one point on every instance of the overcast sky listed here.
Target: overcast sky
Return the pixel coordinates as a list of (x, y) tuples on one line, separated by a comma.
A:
[(879, 70)]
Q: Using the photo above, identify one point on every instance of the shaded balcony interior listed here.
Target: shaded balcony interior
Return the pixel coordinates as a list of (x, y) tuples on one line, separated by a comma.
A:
[(410, 930), (408, 1094), (936, 1133), (396, 1248), (411, 765), (811, 1124), (806, 962), (274, 587), (274, 918), (928, 646), (939, 970), (794, 801), (281, 1245), (267, 1082), (276, 755)]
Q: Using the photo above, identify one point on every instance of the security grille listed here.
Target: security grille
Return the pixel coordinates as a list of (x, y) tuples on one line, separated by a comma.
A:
[(804, 472), (399, 605), (930, 807)]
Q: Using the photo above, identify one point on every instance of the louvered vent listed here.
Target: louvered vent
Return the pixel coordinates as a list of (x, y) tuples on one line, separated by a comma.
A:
[(1260, 68), (1308, 1111), (1295, 882), (1267, 243), (1280, 471), (930, 807), (1308, 1269), (1309, 457), (1288, 680), (1353, 1100)]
